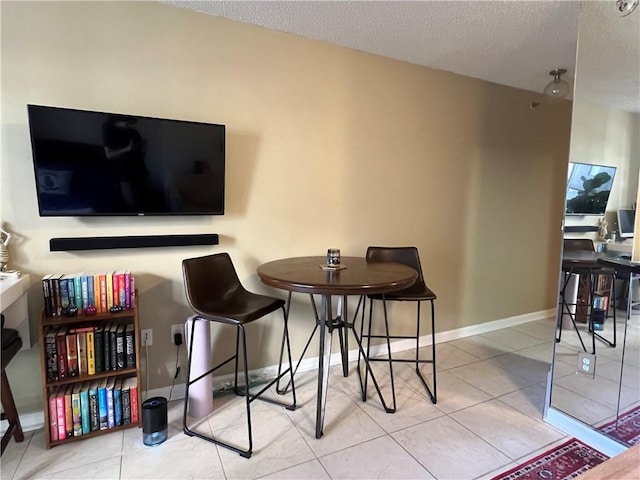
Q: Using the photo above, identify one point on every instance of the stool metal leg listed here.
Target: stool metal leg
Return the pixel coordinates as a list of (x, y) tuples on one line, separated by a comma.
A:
[(416, 361), (249, 397)]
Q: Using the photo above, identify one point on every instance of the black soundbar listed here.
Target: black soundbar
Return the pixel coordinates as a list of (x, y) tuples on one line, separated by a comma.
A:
[(580, 228), (102, 243)]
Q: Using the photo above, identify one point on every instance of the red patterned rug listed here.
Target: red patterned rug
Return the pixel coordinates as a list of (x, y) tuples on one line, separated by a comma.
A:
[(626, 430), (564, 462)]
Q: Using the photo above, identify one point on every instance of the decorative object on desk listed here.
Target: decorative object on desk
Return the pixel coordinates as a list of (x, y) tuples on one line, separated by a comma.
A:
[(602, 229), (331, 268), (625, 429), (333, 257), (5, 238), (564, 462)]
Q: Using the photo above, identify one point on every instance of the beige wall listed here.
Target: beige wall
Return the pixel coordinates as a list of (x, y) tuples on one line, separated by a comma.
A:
[(326, 147)]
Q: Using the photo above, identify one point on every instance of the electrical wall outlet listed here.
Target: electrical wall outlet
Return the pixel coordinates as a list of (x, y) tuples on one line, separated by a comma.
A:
[(587, 364), (177, 328), (146, 337)]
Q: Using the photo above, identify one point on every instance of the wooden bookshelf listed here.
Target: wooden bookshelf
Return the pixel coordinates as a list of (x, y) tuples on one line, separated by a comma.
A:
[(48, 324)]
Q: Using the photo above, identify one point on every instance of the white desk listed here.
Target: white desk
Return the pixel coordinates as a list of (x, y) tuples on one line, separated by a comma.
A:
[(622, 248), (14, 306)]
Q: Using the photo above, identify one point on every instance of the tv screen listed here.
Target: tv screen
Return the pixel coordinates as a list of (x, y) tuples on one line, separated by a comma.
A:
[(104, 164), (588, 188)]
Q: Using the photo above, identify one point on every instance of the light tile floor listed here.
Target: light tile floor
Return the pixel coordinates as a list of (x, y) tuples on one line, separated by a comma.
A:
[(594, 399), (488, 418)]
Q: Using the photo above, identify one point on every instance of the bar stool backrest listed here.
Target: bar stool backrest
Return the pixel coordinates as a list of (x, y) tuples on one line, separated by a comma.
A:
[(211, 282), (406, 255)]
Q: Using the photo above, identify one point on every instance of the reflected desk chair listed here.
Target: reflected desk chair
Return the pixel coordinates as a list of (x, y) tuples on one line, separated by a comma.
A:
[(11, 344), (418, 293), (599, 282), (216, 295)]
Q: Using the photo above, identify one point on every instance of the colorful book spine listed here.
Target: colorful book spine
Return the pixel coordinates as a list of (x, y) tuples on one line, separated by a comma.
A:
[(71, 293), (52, 357), (53, 415), (46, 292), (91, 291), (98, 293), (117, 402), (102, 282), (121, 356), (106, 347), (64, 295), (133, 291), (61, 347), (81, 339), (111, 419), (121, 291), (115, 284), (127, 289), (102, 404), (84, 408), (126, 402), (60, 410), (55, 293), (108, 287), (94, 412), (133, 394), (77, 288), (113, 346), (84, 285), (68, 411), (72, 355), (98, 341), (130, 346), (91, 353), (76, 410)]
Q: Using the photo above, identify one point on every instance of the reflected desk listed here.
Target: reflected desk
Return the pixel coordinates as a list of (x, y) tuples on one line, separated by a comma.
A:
[(588, 263), (306, 275)]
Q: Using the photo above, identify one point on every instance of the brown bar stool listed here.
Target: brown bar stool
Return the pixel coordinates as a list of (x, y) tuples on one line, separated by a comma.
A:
[(11, 344), (215, 294), (418, 293)]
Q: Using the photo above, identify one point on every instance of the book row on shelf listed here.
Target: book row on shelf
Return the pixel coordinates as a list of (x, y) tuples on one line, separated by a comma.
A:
[(80, 293), (85, 407), (601, 302), (89, 349)]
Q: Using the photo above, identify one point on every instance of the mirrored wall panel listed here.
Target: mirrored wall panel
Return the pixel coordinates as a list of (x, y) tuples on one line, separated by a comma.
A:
[(596, 370)]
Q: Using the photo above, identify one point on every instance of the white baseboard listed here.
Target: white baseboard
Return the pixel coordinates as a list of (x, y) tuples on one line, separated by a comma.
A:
[(30, 421), (585, 433), (35, 420)]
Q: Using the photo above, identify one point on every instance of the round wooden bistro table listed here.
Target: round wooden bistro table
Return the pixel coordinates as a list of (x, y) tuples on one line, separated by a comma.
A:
[(356, 276)]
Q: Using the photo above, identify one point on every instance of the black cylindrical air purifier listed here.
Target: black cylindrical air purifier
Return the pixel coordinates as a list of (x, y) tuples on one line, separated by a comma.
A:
[(154, 421)]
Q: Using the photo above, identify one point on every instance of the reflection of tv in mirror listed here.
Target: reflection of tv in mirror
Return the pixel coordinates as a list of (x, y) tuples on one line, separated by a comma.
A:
[(626, 222), (588, 188)]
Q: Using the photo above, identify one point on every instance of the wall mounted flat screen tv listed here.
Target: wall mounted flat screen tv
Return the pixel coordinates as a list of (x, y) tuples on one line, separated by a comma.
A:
[(588, 188), (103, 164)]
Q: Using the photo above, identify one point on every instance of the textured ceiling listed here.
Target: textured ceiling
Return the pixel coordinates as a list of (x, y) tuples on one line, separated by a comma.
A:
[(609, 57), (510, 42)]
